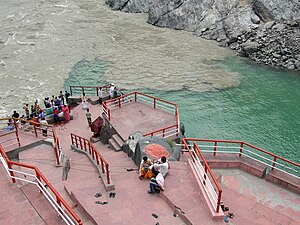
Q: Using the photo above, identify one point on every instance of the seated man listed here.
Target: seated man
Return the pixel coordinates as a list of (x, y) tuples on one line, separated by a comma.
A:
[(162, 166), (55, 115), (145, 172), (157, 182)]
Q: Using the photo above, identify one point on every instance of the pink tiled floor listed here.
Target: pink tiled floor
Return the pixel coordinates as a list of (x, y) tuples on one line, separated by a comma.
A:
[(132, 204)]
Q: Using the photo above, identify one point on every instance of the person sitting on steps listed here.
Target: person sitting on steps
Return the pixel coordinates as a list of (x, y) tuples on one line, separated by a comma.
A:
[(162, 166), (157, 182), (145, 172)]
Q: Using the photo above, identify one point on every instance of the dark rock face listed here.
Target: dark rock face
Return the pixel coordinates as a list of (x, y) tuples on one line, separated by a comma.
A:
[(266, 31), (132, 6)]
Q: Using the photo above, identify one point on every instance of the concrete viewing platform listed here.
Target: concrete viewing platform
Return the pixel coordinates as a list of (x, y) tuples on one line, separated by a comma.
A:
[(140, 117), (252, 200)]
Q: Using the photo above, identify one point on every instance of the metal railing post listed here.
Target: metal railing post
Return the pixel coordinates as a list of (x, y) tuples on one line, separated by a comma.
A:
[(102, 165), (241, 149), (215, 149), (80, 143), (17, 132), (10, 172), (84, 142), (219, 201), (274, 162), (76, 141), (90, 151), (107, 174), (205, 172)]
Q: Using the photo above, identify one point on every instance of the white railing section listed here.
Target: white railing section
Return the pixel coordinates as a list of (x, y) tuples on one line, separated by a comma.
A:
[(42, 188), (167, 134), (159, 104), (105, 112), (208, 187), (269, 162)]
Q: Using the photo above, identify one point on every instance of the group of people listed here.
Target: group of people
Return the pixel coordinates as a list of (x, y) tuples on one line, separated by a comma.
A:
[(84, 100), (112, 92), (53, 106), (156, 172)]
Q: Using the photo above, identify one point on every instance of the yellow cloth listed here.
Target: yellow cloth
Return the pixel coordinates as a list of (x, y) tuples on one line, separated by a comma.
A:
[(147, 174)]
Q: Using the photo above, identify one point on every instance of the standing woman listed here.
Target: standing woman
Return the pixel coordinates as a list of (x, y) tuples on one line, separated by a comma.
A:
[(65, 110), (84, 101)]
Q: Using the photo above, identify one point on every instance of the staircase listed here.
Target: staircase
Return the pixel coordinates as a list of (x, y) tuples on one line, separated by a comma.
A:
[(8, 140), (115, 142)]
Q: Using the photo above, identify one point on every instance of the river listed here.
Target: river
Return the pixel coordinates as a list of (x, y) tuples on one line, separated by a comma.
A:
[(47, 45)]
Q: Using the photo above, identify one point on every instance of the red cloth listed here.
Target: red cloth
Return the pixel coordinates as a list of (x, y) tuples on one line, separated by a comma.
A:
[(156, 151)]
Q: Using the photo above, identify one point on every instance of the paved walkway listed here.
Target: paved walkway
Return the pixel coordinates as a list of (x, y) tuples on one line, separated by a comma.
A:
[(15, 208), (250, 201)]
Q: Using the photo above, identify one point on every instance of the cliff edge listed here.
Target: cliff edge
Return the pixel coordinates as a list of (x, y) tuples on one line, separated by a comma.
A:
[(266, 31)]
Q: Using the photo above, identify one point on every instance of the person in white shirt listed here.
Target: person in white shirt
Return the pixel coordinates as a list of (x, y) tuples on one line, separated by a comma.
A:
[(44, 127), (162, 166), (157, 182), (111, 90)]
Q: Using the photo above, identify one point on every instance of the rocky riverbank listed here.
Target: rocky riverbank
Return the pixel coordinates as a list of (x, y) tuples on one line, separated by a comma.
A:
[(266, 31)]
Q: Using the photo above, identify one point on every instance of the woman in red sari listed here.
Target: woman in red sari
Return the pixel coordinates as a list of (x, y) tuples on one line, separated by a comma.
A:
[(65, 110)]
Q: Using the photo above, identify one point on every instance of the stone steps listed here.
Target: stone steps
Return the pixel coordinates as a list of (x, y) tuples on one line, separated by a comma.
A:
[(41, 205), (115, 142)]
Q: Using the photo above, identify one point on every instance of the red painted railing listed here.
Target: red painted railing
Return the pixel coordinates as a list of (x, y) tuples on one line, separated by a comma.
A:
[(36, 127), (14, 122), (205, 175), (87, 146), (92, 90), (155, 102), (42, 181), (241, 148)]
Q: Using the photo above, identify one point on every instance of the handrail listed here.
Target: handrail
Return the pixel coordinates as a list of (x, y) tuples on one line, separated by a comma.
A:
[(39, 177), (15, 130), (155, 102), (87, 146), (163, 130), (83, 87), (36, 126), (195, 153), (241, 150)]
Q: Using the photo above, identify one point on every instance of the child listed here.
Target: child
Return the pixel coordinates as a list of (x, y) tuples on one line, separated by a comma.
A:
[(88, 116), (44, 127)]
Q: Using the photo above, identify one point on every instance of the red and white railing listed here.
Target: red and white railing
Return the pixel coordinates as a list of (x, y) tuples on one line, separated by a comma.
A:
[(90, 90), (156, 103), (88, 147), (45, 187), (37, 128), (8, 126), (208, 181), (239, 148)]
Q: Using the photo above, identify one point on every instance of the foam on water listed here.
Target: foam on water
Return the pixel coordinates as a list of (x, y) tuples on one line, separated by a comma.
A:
[(42, 41)]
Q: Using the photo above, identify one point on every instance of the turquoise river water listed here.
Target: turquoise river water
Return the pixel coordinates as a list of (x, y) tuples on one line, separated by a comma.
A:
[(263, 110), (47, 45)]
